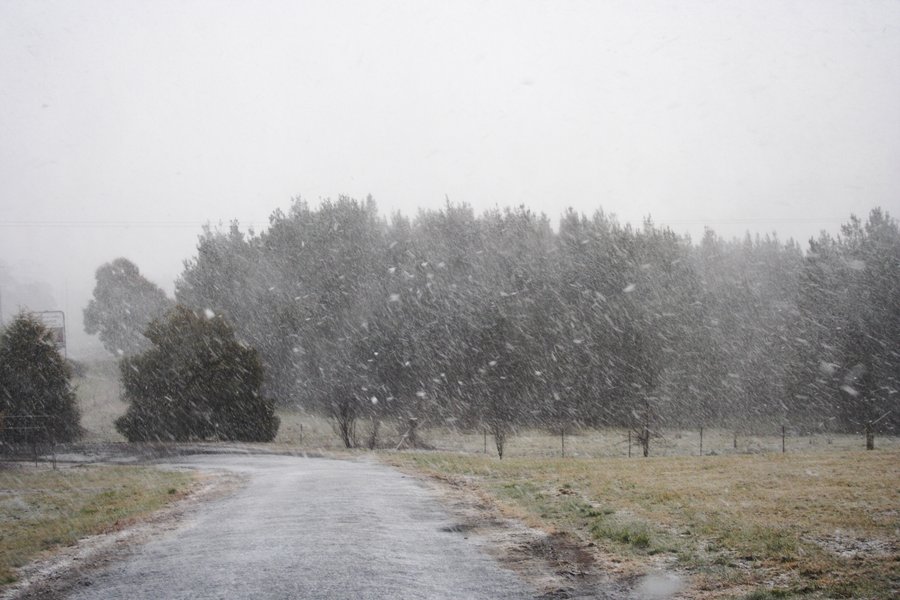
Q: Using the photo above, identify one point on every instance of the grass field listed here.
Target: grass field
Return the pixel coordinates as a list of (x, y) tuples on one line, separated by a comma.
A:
[(42, 509), (813, 524), (303, 430)]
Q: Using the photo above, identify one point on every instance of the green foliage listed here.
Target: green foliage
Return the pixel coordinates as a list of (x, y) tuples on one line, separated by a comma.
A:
[(636, 536), (37, 402), (196, 382), (496, 321), (124, 303), (749, 307), (850, 323)]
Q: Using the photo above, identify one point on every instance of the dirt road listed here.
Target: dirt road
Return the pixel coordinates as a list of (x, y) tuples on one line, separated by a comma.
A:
[(308, 528)]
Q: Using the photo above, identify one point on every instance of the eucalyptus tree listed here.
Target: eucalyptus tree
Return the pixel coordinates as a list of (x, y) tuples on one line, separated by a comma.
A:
[(124, 303)]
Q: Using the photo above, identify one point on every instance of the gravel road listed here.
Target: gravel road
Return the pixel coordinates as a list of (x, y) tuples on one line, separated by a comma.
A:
[(308, 528)]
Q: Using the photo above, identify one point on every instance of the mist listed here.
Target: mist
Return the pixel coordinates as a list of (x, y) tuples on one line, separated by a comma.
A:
[(124, 127)]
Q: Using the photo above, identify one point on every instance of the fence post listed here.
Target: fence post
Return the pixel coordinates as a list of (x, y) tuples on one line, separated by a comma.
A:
[(413, 435), (782, 440), (562, 435), (701, 441), (629, 443), (735, 440), (870, 436), (485, 441)]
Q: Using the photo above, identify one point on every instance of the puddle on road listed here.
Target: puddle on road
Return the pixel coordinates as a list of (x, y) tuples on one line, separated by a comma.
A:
[(658, 585)]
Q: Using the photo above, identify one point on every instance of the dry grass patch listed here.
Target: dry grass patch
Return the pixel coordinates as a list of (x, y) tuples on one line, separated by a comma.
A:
[(817, 524), (301, 429), (313, 432), (100, 400), (42, 509), (613, 442)]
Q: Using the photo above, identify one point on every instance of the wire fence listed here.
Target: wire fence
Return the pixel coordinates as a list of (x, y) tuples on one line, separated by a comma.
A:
[(38, 445), (310, 432)]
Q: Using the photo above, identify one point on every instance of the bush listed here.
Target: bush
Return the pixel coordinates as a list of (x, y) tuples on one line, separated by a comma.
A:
[(196, 382), (37, 402)]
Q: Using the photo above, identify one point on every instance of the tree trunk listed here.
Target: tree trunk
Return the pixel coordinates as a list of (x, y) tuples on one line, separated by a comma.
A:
[(499, 438), (373, 435), (645, 440), (344, 417)]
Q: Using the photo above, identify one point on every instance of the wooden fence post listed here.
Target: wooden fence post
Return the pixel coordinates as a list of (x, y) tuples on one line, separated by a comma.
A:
[(629, 443), (701, 441), (782, 440), (870, 436), (413, 435)]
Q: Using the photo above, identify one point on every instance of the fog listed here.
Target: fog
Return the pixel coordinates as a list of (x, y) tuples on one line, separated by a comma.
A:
[(126, 126)]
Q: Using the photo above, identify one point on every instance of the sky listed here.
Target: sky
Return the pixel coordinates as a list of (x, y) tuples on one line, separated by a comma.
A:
[(124, 126)]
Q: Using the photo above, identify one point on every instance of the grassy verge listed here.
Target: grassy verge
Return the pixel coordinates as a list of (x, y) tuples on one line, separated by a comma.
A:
[(42, 509), (815, 525)]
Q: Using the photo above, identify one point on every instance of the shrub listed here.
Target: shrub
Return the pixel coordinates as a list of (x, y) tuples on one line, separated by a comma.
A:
[(196, 382), (37, 401)]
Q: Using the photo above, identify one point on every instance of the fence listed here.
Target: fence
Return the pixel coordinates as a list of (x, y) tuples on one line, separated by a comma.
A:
[(37, 424), (317, 433)]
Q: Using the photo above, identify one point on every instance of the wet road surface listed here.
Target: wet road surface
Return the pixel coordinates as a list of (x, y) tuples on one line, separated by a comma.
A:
[(309, 528)]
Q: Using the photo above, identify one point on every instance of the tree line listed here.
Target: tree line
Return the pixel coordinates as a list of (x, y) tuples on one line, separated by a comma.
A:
[(498, 320), (488, 321)]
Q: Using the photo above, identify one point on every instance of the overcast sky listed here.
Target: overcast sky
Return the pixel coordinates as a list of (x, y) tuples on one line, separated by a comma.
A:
[(126, 125)]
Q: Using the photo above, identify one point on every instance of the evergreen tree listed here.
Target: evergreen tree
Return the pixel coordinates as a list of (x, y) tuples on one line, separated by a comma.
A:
[(37, 401), (605, 324), (846, 360), (196, 382)]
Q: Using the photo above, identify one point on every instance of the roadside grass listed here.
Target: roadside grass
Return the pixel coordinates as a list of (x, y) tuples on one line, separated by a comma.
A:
[(42, 509), (812, 524)]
